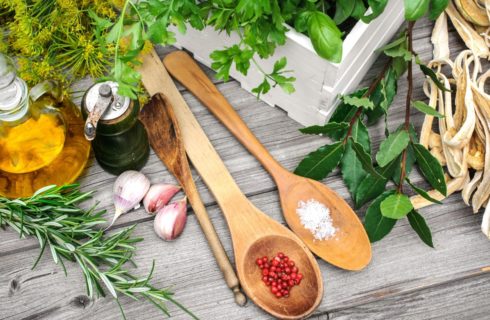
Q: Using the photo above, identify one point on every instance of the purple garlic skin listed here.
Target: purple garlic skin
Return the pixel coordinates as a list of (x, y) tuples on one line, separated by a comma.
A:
[(159, 196), (170, 220)]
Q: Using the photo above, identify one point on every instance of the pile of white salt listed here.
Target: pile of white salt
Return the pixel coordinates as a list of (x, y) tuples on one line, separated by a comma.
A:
[(315, 217)]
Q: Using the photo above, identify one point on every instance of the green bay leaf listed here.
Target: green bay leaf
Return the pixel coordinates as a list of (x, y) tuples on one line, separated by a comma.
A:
[(372, 186), (417, 222), (365, 159), (392, 147), (396, 206), (327, 129), (422, 192), (318, 164), (378, 226), (425, 108), (351, 169), (430, 167), (436, 8), (362, 102)]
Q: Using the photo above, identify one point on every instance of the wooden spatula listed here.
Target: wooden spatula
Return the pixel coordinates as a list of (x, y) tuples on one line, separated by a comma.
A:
[(166, 140)]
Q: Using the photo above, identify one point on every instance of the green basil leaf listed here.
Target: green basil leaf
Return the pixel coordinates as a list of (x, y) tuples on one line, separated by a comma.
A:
[(359, 10), (392, 147), (362, 102), (415, 9), (422, 192), (325, 36), (326, 129), (377, 8), (365, 159), (436, 8), (351, 169), (378, 226), (318, 164), (343, 10), (396, 206), (425, 108), (431, 74), (372, 186), (431, 168), (417, 222)]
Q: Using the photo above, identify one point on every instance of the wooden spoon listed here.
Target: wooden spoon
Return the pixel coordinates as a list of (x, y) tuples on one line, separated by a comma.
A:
[(254, 234), (350, 247), (166, 140)]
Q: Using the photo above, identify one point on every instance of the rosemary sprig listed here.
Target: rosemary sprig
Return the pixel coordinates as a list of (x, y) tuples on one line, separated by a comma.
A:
[(54, 217)]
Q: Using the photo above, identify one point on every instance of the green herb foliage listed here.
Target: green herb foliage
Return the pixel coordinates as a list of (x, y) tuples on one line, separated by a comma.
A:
[(70, 234), (261, 26), (398, 153)]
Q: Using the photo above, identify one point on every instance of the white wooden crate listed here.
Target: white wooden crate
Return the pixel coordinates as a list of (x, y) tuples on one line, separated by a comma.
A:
[(318, 81)]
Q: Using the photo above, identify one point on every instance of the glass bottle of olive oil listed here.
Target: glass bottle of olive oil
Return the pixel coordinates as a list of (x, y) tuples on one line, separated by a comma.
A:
[(41, 136)]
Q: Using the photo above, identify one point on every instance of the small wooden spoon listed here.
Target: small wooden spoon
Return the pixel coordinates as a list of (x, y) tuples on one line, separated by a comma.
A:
[(166, 140), (350, 247), (254, 234)]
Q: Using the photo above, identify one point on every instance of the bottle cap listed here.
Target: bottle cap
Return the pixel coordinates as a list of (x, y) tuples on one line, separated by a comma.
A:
[(119, 103)]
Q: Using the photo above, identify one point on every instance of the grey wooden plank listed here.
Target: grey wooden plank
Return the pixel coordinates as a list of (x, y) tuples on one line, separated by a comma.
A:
[(401, 264), (466, 298)]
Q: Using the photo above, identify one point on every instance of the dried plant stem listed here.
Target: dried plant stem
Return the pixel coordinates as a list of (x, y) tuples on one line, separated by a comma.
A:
[(407, 104)]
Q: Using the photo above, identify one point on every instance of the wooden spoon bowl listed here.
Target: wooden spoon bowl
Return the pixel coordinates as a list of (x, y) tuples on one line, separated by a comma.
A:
[(303, 298), (349, 248)]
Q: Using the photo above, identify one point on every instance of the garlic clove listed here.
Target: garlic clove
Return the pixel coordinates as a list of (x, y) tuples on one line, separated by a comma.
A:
[(159, 196), (170, 220), (129, 189)]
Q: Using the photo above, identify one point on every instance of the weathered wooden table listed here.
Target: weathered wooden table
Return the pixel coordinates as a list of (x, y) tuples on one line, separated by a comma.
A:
[(405, 280)]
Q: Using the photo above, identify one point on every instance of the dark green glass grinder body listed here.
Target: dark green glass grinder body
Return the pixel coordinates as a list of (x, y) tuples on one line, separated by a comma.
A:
[(119, 139)]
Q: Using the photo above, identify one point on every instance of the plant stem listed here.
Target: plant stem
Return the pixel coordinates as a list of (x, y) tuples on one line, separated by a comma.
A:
[(408, 103), (370, 90)]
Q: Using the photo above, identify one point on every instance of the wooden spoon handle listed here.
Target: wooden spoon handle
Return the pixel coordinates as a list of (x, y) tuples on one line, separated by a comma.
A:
[(155, 79), (185, 69)]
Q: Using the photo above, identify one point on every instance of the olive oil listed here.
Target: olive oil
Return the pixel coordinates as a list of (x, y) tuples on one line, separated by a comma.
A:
[(31, 145), (41, 136)]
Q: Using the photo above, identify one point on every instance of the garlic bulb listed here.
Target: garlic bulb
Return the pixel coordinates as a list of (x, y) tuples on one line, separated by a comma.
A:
[(158, 196), (170, 220), (129, 189)]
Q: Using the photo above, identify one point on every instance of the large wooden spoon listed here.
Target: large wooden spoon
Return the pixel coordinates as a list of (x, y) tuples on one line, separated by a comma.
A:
[(254, 234), (350, 247)]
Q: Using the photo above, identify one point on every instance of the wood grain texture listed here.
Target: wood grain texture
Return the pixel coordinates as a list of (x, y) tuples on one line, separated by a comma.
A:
[(405, 279)]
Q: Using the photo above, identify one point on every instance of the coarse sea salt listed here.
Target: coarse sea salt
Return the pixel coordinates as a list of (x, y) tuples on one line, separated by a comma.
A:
[(315, 217)]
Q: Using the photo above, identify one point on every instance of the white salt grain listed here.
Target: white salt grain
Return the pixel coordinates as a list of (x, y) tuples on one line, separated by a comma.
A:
[(315, 217)]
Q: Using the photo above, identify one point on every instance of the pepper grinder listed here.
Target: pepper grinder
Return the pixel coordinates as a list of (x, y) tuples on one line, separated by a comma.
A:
[(119, 139)]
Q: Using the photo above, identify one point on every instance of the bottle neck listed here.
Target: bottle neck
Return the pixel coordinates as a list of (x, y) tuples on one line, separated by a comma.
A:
[(14, 101)]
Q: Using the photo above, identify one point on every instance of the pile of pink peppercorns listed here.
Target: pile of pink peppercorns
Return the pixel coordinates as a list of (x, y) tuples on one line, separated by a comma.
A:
[(280, 274)]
